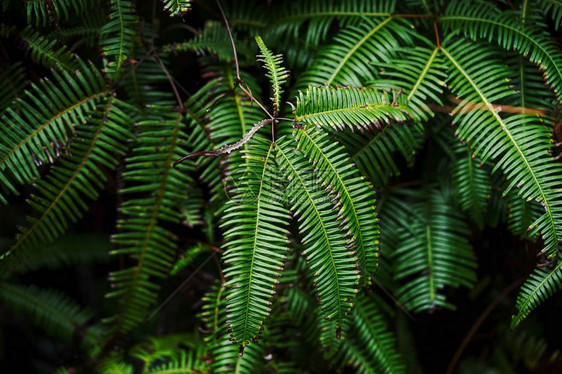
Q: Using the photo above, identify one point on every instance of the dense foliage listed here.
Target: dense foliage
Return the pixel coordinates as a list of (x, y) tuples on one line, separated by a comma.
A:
[(280, 186)]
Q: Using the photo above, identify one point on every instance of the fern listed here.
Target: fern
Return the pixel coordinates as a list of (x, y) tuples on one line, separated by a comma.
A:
[(177, 7), (42, 51), (275, 72), (45, 11)]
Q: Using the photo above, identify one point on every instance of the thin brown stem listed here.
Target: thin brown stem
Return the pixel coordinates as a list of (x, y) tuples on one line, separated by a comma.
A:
[(436, 34), (170, 79), (476, 325)]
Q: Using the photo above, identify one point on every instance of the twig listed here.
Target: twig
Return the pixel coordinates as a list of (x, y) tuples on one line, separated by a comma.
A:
[(170, 79), (476, 325)]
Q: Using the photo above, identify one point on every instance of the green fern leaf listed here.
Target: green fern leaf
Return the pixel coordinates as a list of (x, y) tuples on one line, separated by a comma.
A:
[(157, 189), (519, 142), (275, 72), (59, 198), (14, 78), (43, 51), (342, 107), (326, 251), (432, 247), (256, 242), (482, 20), (118, 36), (542, 284), (177, 7), (45, 11), (357, 210), (37, 127), (52, 310)]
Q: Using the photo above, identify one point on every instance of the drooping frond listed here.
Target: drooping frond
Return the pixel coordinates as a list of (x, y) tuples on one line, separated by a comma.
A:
[(256, 241), (519, 143), (418, 72), (14, 83), (45, 11), (355, 108), (374, 152), (327, 252), (61, 196), (482, 21), (349, 59), (369, 345), (156, 189), (226, 357), (39, 125), (43, 51), (117, 36), (542, 284), (317, 16), (432, 251), (471, 183), (275, 72), (355, 197), (522, 214), (212, 40), (53, 311), (177, 7)]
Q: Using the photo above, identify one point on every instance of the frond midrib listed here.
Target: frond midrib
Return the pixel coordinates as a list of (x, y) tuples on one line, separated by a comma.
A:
[(254, 249), (423, 73), (54, 202), (489, 107), (324, 231), (350, 200), (355, 48), (39, 129), (346, 109)]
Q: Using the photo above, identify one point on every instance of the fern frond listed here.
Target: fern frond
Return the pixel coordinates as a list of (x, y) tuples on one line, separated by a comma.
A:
[(53, 311), (542, 284), (520, 142), (117, 36), (256, 242), (212, 40), (369, 346), (342, 107), (349, 60), (553, 10), (433, 249), (327, 252), (374, 152), (480, 20), (522, 214), (43, 51), (471, 183), (13, 87), (317, 16), (338, 175), (275, 72), (45, 11), (156, 189), (418, 72), (60, 197), (177, 7), (37, 126)]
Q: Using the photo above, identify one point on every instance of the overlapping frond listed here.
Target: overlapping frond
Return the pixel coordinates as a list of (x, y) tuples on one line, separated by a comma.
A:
[(256, 241), (14, 78), (117, 36), (317, 17), (61, 197), (472, 184), (53, 311), (479, 20), (39, 125), (370, 346), (542, 284), (522, 214), (553, 10), (375, 152), (519, 143), (275, 72), (155, 189), (177, 7), (327, 252), (214, 40), (43, 51), (355, 197), (355, 108), (418, 72), (349, 59), (45, 11), (432, 251)]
